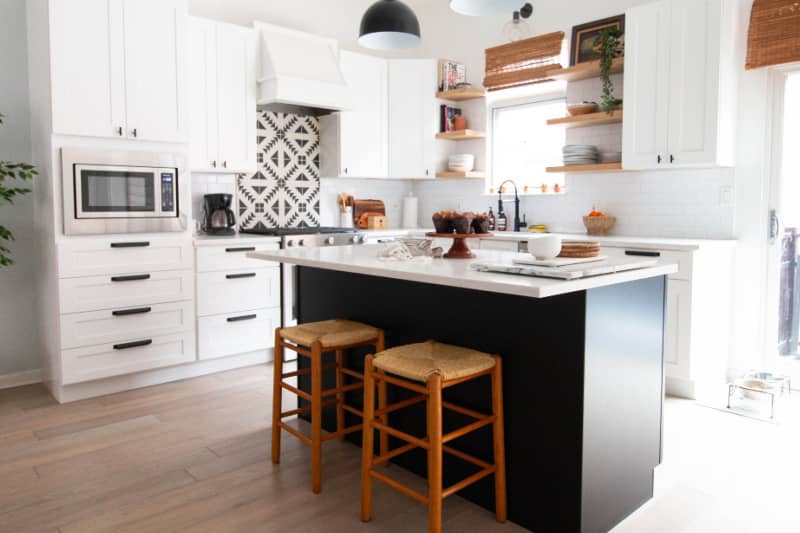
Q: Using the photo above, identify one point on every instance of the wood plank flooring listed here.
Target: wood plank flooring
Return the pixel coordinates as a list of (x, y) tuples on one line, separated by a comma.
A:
[(186, 456)]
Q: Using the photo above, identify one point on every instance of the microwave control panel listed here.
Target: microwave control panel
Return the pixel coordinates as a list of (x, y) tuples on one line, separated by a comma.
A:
[(167, 192)]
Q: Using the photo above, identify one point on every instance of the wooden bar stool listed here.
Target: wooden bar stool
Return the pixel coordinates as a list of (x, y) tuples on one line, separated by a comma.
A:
[(312, 340), (438, 366)]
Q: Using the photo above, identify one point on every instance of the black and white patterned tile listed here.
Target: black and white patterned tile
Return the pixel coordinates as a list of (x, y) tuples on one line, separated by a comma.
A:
[(285, 191)]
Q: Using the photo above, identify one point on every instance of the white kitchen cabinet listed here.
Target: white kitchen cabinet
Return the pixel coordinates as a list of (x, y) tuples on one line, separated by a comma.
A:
[(354, 143), (679, 85), (231, 334), (677, 332), (222, 69), (126, 255), (236, 290), (413, 118), (118, 68)]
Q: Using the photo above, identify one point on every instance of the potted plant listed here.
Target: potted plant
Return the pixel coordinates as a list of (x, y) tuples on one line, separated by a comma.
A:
[(11, 177), (609, 45)]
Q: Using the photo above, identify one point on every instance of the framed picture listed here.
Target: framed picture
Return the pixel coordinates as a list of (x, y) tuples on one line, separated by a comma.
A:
[(583, 38)]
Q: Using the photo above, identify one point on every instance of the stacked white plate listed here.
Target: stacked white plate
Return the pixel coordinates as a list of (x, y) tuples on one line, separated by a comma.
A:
[(461, 162), (580, 154)]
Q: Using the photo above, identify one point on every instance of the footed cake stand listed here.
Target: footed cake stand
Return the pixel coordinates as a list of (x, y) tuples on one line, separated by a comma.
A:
[(459, 249)]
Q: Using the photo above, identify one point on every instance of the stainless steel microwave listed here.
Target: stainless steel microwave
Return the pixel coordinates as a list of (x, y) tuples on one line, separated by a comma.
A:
[(117, 191)]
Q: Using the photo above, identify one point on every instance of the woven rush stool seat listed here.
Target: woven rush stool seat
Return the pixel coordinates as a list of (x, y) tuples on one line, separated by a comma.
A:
[(420, 361), (312, 341), (330, 333), (427, 368)]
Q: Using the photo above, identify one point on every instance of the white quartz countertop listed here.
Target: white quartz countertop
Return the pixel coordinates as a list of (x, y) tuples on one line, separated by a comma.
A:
[(233, 240), (451, 272)]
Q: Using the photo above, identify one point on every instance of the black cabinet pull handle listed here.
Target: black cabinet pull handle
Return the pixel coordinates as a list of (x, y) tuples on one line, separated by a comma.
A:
[(142, 244), (671, 158), (135, 132), (639, 253), (241, 318), (659, 159), (128, 312), (241, 276), (138, 277), (134, 344), (245, 249), (119, 131)]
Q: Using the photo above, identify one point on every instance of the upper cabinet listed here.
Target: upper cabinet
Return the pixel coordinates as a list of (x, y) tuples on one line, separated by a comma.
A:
[(680, 84), (118, 68), (413, 118), (222, 70), (354, 143)]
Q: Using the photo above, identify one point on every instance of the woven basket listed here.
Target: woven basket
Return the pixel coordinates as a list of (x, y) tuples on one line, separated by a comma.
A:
[(599, 225)]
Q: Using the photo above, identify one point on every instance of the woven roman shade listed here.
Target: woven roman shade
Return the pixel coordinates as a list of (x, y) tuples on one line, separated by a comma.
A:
[(523, 62), (774, 35)]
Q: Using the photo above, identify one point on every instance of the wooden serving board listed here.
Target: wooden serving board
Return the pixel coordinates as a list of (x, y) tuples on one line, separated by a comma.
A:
[(367, 206)]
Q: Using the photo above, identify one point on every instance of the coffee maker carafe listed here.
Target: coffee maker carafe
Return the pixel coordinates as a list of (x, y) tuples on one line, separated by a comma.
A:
[(218, 218)]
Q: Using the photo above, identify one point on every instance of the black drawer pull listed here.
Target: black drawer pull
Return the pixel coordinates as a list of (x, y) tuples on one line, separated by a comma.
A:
[(134, 344), (128, 312), (244, 249), (240, 276), (242, 318), (638, 253), (138, 277), (142, 244)]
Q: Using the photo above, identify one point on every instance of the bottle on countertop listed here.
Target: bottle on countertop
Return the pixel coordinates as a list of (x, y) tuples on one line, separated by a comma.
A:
[(501, 221), (491, 220)]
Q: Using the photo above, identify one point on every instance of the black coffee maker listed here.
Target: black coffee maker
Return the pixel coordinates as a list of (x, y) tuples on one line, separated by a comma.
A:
[(218, 218)]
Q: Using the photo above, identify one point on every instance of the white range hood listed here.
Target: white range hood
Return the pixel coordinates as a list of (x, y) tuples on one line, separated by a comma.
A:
[(299, 72)]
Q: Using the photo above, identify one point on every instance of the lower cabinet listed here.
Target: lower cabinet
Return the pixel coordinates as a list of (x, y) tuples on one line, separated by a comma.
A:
[(677, 334), (234, 333)]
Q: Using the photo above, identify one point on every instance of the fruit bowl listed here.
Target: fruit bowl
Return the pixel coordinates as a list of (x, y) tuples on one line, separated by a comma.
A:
[(584, 108), (599, 225)]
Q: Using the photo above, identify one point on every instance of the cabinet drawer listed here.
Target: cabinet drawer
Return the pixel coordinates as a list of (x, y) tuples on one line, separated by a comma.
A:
[(232, 257), (115, 359), (125, 324), (231, 334), (237, 290), (123, 256), (129, 290), (682, 259)]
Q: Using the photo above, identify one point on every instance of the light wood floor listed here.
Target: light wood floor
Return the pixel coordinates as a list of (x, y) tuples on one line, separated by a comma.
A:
[(193, 455)]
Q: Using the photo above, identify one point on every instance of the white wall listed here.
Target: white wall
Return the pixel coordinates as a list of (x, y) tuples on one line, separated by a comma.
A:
[(17, 296)]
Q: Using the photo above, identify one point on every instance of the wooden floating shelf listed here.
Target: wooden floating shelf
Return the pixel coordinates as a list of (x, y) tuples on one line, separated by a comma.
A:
[(461, 175), (459, 95), (591, 119), (461, 135), (584, 71), (597, 167)]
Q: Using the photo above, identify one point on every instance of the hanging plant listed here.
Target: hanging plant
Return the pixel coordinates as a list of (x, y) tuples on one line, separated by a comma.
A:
[(18, 172), (609, 46)]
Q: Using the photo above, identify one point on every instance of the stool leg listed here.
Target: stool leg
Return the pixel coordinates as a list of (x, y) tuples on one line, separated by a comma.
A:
[(382, 402), (340, 395), (435, 453), (499, 442), (277, 398), (316, 417), (367, 444)]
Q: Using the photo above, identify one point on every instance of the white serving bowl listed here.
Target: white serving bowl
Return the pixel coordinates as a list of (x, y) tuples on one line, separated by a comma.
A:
[(544, 247), (461, 162)]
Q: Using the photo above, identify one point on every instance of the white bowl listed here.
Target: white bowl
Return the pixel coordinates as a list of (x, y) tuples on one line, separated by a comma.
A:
[(544, 247), (461, 162)]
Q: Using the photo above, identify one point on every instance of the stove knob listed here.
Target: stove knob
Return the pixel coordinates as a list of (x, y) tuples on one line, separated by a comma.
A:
[(360, 239), (330, 240), (289, 244), (301, 243), (354, 239)]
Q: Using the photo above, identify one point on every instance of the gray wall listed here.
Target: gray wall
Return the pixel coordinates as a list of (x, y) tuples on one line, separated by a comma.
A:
[(17, 294)]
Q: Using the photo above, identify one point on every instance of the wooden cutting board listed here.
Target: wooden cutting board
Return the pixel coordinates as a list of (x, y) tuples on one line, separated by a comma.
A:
[(374, 207), (579, 249)]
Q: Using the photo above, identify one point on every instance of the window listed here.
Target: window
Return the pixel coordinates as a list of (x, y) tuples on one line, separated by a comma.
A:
[(523, 145)]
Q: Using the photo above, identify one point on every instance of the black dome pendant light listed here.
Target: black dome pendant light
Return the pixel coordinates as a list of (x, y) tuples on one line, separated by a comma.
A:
[(388, 25)]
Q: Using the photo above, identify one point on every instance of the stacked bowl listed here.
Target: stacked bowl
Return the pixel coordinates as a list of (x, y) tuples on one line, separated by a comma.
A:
[(461, 163)]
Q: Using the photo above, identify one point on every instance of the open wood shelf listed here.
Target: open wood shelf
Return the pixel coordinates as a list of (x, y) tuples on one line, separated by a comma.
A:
[(475, 174), (597, 167), (584, 71), (459, 95), (591, 119), (461, 135)]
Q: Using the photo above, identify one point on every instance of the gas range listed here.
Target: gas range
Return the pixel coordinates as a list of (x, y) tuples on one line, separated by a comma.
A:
[(312, 237)]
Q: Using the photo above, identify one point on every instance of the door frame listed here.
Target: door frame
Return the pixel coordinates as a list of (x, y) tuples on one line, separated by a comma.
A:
[(778, 77)]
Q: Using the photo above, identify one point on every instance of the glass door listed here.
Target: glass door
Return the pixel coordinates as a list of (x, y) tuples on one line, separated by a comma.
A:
[(110, 192)]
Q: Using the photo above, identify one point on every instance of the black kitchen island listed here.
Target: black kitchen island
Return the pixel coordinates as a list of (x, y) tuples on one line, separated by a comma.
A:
[(582, 371)]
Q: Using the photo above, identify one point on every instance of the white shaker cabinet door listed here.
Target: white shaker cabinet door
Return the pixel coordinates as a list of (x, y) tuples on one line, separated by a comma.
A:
[(413, 116), (646, 101), (156, 69), (236, 98), (677, 329), (203, 94), (87, 68)]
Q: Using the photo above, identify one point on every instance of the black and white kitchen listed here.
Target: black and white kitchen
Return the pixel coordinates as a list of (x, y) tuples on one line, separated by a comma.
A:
[(384, 265)]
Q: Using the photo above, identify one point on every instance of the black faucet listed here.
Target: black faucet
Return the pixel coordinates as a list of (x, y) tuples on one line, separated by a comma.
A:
[(517, 223)]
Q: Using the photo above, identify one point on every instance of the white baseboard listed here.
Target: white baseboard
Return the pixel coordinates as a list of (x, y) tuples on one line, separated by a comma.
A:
[(19, 379)]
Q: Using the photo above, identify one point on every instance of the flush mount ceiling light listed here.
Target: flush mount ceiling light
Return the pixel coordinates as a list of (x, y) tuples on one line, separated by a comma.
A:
[(483, 8), (387, 25)]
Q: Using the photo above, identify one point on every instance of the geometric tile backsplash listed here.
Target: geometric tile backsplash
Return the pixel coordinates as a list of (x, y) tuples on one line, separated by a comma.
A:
[(285, 190)]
